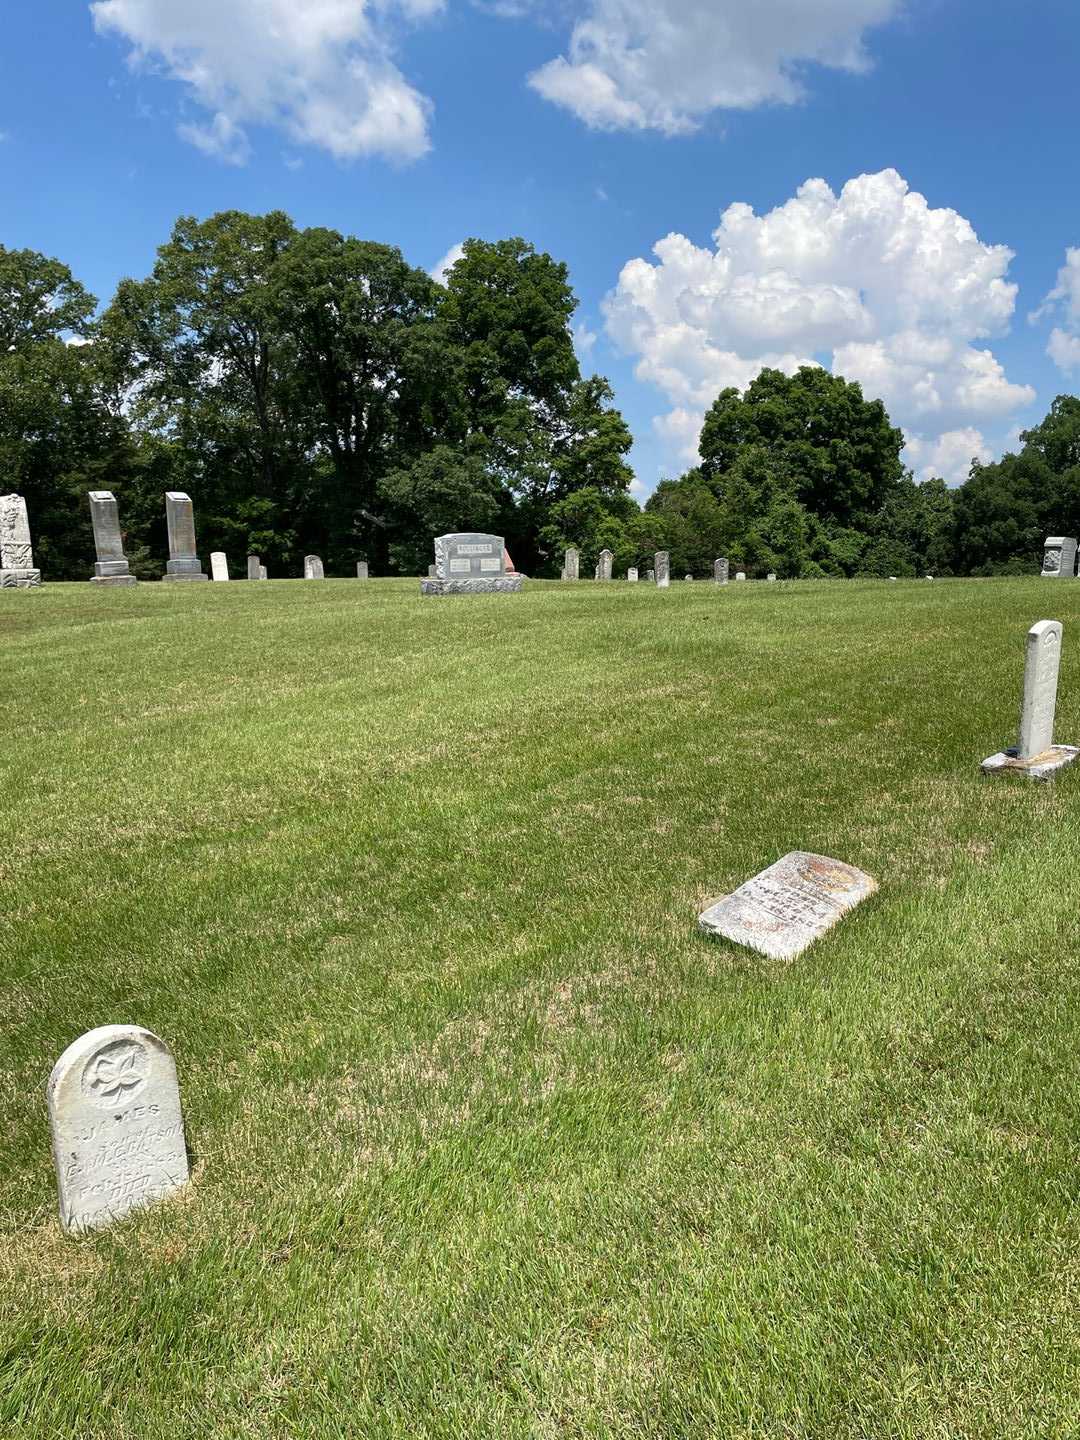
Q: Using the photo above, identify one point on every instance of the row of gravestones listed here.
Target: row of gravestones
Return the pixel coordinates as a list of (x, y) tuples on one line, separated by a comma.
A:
[(659, 575), (113, 1096)]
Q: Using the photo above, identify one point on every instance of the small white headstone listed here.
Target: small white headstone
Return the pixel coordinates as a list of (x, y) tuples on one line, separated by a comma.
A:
[(770, 576), (262, 572), (117, 1130), (1037, 755), (361, 569), (740, 575), (787, 907), (219, 565), (631, 575)]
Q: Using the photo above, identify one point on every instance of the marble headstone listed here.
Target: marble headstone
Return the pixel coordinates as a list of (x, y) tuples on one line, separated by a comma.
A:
[(603, 569), (183, 562), (111, 566), (361, 570), (650, 576), (573, 560), (219, 565), (253, 567), (313, 568), (117, 1129), (1036, 755), (16, 556), (720, 572), (470, 563), (740, 575), (770, 576), (1059, 557), (662, 566), (631, 575), (688, 579), (788, 906), (262, 573)]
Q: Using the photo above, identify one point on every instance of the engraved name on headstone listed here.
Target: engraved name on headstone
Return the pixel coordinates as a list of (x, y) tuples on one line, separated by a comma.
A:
[(720, 572), (253, 567), (573, 560), (662, 566), (183, 563), (111, 566), (313, 568), (361, 570), (219, 565), (1036, 755), (788, 906), (17, 571), (632, 575), (1059, 557), (603, 569), (117, 1129), (470, 563)]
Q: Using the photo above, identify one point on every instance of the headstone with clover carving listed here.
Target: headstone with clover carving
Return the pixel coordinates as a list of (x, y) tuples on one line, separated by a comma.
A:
[(117, 1130)]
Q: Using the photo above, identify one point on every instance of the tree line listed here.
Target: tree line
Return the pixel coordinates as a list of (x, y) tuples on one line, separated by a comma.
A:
[(315, 393)]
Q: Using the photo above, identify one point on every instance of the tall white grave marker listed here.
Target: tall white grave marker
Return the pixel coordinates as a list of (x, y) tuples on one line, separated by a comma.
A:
[(117, 1130), (662, 566), (720, 572), (1036, 755), (604, 567), (16, 557), (219, 565), (183, 563), (111, 566)]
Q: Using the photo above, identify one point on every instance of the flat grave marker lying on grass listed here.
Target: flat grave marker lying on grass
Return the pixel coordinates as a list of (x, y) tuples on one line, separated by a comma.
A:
[(470, 563), (117, 1128), (1059, 557), (313, 568), (183, 563), (662, 564), (1036, 755), (111, 566), (219, 565), (16, 556), (788, 906)]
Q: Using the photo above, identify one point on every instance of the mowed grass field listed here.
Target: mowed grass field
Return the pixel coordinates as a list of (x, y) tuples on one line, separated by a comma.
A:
[(487, 1139)]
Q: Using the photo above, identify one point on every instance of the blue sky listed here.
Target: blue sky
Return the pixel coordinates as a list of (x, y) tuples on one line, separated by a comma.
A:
[(596, 128)]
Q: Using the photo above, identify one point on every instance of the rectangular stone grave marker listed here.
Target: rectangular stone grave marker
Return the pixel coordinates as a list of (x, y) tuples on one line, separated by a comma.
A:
[(117, 1130), (262, 573), (603, 569), (111, 566), (313, 568), (183, 563), (470, 563), (770, 576), (1036, 755), (573, 560), (17, 570), (720, 572), (662, 566), (688, 578), (253, 567), (650, 576), (219, 565), (788, 906), (631, 575), (361, 570), (1059, 557), (740, 575)]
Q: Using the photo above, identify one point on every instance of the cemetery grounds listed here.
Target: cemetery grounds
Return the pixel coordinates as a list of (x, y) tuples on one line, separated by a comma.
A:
[(487, 1140)]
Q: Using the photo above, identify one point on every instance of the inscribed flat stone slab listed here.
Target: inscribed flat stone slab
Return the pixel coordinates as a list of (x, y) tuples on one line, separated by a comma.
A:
[(788, 906), (468, 555), (219, 565), (117, 1129), (313, 568)]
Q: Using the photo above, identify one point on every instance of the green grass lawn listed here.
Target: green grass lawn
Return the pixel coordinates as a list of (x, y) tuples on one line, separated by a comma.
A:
[(487, 1140)]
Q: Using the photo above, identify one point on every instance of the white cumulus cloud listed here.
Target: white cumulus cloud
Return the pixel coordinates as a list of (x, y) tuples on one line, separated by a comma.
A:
[(947, 456), (1063, 347), (664, 64), (320, 70), (872, 281), (443, 267)]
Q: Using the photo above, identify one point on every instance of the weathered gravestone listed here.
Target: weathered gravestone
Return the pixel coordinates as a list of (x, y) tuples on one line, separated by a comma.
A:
[(431, 572), (219, 565), (361, 570), (573, 560), (313, 568), (117, 1130), (631, 575), (740, 575), (650, 576), (720, 572), (1036, 755), (603, 569), (470, 563), (770, 576), (662, 567), (16, 556), (688, 579), (183, 563), (254, 568), (262, 573), (784, 909), (111, 566), (1059, 557)]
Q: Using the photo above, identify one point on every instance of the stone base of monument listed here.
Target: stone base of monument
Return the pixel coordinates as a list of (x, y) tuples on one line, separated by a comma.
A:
[(1039, 767), (19, 579), (113, 580), (184, 570), (481, 585)]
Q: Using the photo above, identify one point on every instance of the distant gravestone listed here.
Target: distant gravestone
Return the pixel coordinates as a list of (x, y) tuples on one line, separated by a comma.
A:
[(253, 567), (1036, 755), (313, 568), (573, 560), (470, 563), (740, 575), (111, 566), (219, 565), (262, 573), (662, 565), (929, 577), (788, 906), (361, 570), (432, 572), (650, 576), (720, 572), (117, 1130), (770, 576), (688, 579), (183, 563), (603, 569), (1059, 557), (632, 575), (17, 570)]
